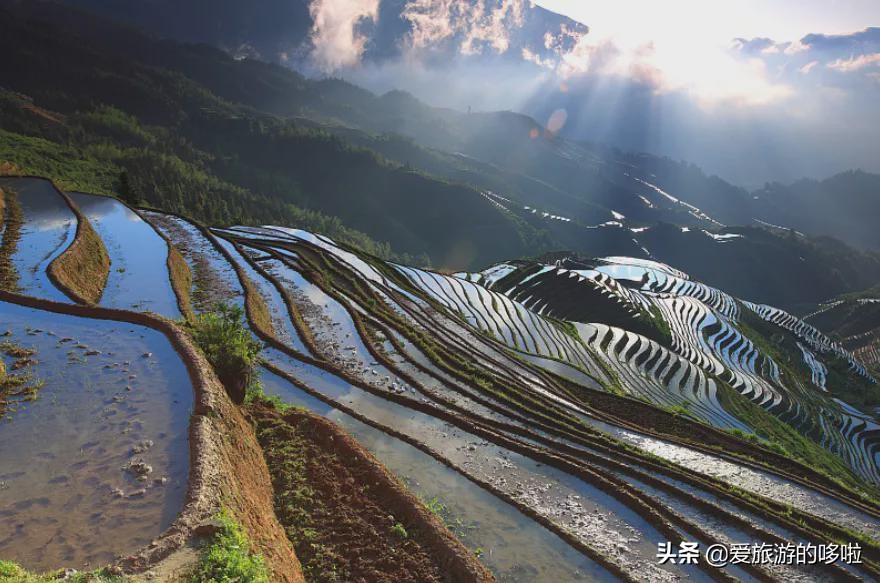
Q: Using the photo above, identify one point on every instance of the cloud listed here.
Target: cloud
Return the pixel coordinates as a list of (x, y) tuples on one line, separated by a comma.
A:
[(857, 42), (753, 46), (588, 57), (855, 63), (337, 42), (805, 70), (817, 60), (475, 25), (767, 46)]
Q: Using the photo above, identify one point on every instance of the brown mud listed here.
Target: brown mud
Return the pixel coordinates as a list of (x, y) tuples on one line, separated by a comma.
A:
[(368, 526), (81, 270)]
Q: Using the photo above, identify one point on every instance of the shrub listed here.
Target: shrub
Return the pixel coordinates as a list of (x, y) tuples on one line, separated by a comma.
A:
[(229, 559), (229, 347), (399, 531)]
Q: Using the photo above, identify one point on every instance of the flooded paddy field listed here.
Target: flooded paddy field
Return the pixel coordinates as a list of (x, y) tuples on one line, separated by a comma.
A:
[(556, 450), (96, 466), (47, 228), (139, 277), (214, 279), (511, 544), (518, 346)]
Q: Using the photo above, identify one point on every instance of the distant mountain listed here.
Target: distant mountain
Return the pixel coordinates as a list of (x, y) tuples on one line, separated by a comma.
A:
[(845, 206), (281, 30), (225, 140), (503, 151), (93, 101)]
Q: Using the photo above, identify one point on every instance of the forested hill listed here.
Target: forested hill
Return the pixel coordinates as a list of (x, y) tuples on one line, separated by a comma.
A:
[(119, 101), (844, 206), (192, 130)]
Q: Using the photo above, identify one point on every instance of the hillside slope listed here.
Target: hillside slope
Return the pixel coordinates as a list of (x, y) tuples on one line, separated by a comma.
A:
[(221, 161)]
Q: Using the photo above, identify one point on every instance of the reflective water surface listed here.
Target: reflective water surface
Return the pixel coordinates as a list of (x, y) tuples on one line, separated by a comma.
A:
[(97, 465)]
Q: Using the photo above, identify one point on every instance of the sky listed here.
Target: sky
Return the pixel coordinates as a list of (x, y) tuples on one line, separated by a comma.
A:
[(753, 90), (721, 19), (690, 41)]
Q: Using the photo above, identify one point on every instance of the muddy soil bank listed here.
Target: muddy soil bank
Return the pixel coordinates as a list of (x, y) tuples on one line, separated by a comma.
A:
[(367, 525)]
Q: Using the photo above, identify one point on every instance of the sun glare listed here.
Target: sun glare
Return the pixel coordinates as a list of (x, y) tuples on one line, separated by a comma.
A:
[(683, 45)]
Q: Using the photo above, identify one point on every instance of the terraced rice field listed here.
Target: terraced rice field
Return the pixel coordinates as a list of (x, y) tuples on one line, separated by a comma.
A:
[(568, 417), (48, 227), (137, 255), (96, 466), (532, 372), (704, 333)]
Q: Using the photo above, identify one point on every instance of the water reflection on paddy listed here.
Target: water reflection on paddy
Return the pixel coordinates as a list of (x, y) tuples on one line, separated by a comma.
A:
[(71, 490)]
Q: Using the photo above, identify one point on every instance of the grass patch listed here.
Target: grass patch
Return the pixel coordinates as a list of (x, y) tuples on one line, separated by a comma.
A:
[(13, 218), (228, 345), (399, 531), (257, 310), (228, 559), (12, 573), (456, 525), (683, 409), (82, 269), (785, 440), (657, 324)]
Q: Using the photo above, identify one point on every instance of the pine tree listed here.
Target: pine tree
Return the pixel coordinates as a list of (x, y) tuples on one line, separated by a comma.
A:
[(126, 193)]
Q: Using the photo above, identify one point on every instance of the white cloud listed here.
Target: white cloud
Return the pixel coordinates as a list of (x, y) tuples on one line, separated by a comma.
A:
[(796, 47), (336, 42), (808, 67), (475, 24), (855, 63), (588, 57)]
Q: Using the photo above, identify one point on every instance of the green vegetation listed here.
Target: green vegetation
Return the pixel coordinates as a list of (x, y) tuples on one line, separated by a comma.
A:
[(168, 126), (399, 531), (296, 504), (12, 223), (781, 345), (13, 573), (785, 440), (16, 381), (455, 524), (683, 408), (84, 266), (228, 559), (227, 344), (659, 327), (257, 310), (69, 167), (435, 507)]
